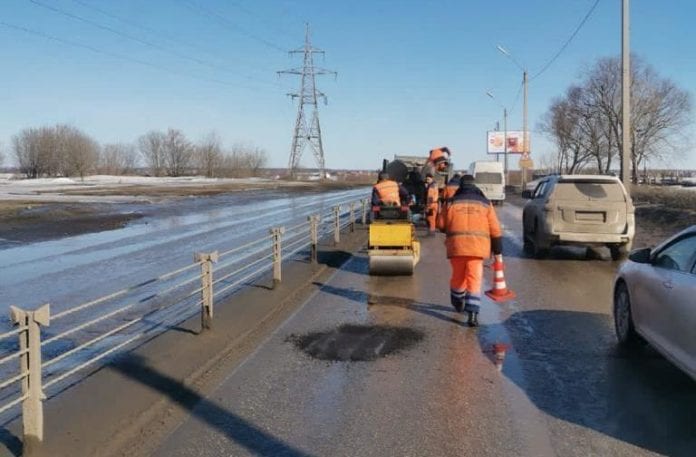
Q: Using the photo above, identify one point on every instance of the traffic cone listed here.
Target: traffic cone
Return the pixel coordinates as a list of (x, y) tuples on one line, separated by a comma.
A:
[(500, 292)]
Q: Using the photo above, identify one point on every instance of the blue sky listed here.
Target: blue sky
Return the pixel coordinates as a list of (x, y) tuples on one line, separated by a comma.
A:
[(411, 74)]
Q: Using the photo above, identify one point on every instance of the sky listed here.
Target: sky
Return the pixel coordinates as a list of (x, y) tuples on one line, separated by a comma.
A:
[(412, 75)]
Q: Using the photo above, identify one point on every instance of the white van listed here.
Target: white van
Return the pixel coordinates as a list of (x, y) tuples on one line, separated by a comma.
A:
[(490, 178)]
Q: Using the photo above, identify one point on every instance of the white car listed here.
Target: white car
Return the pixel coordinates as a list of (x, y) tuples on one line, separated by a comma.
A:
[(655, 299)]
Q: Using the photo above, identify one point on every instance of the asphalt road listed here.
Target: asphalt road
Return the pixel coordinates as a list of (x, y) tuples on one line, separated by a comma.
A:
[(563, 389)]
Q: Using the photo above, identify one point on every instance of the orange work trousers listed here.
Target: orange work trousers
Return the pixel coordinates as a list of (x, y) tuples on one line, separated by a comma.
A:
[(431, 217), (466, 282)]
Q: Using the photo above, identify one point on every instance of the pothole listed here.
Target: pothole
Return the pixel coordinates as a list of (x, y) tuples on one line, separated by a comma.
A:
[(355, 343)]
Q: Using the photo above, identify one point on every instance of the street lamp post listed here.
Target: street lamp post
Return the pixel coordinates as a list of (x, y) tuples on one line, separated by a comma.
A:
[(525, 81), (625, 97), (505, 142)]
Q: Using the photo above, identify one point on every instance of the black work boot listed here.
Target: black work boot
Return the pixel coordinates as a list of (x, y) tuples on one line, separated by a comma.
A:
[(457, 307), (473, 319)]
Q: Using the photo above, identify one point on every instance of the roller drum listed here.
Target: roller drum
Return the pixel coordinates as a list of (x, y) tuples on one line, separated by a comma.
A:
[(391, 265)]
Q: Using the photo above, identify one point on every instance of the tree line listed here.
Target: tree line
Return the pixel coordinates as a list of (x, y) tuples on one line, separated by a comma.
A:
[(64, 150), (585, 123)]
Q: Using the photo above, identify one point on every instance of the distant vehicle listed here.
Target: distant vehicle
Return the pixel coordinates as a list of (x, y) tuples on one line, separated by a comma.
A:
[(654, 299), (578, 209), (490, 178)]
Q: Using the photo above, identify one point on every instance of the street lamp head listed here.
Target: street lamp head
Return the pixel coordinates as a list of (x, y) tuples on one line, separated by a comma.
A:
[(503, 50), (490, 94)]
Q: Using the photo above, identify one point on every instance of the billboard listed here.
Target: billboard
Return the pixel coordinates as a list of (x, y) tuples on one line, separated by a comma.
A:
[(496, 142)]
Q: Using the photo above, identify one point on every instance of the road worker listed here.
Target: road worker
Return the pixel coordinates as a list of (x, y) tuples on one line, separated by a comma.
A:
[(439, 158), (387, 192), (473, 231), (452, 186), (432, 195)]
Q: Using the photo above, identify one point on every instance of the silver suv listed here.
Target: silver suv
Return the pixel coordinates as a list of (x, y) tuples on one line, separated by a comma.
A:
[(579, 209)]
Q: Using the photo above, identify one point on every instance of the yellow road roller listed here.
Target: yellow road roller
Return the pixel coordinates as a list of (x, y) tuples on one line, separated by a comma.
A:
[(393, 249)]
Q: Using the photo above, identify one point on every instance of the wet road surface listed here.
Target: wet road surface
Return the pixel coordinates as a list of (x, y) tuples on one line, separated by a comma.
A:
[(563, 388), (74, 270)]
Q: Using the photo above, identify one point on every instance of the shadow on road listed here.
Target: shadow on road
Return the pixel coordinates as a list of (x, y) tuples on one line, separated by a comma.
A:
[(235, 428), (571, 368)]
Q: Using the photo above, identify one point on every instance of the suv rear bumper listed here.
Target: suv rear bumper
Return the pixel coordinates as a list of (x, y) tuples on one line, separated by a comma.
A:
[(570, 237)]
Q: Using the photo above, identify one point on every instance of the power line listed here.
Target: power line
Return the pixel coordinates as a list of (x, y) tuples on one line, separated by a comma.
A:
[(138, 40), (222, 20), (145, 28), (260, 18), (116, 55), (568, 41)]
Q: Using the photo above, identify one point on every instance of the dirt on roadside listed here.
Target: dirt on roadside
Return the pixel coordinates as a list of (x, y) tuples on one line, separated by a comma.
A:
[(22, 222)]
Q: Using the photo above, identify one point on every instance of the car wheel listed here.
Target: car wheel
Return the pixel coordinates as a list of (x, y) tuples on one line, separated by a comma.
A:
[(620, 251), (540, 251), (623, 317), (527, 245)]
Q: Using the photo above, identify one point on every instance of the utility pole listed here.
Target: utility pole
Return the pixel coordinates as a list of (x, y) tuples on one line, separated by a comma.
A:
[(505, 141), (505, 147), (625, 97), (307, 132), (525, 139)]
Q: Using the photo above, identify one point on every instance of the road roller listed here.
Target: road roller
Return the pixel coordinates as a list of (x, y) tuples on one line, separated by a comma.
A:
[(393, 249)]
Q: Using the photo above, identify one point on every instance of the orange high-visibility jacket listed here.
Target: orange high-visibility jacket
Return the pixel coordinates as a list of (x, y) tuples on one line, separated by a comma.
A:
[(433, 194), (451, 189), (388, 192), (471, 225)]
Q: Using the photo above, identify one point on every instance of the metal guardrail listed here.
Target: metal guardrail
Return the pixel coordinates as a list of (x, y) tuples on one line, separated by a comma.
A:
[(219, 273)]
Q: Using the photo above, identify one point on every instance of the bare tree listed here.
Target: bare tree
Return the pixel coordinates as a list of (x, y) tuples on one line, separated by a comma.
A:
[(244, 160), (208, 156), (178, 152), (257, 159), (2, 155), (118, 159), (586, 123), (35, 152), (151, 146), (77, 152)]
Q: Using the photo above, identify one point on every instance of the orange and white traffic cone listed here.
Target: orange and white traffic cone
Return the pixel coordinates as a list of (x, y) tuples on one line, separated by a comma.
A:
[(500, 292)]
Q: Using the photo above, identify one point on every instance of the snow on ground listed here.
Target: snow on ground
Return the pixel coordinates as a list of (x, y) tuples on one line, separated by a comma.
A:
[(52, 189)]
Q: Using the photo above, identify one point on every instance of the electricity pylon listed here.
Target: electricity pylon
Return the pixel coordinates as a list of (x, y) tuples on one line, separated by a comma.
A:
[(307, 132)]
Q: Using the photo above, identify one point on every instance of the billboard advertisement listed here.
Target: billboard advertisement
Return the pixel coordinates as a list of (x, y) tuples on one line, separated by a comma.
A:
[(496, 142)]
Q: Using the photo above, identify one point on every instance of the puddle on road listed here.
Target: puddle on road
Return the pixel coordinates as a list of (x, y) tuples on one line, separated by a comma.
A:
[(357, 343)]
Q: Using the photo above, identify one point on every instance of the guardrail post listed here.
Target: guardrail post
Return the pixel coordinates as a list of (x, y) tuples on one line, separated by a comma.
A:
[(314, 237), (206, 260), (352, 217), (30, 363), (277, 239), (337, 224), (364, 212)]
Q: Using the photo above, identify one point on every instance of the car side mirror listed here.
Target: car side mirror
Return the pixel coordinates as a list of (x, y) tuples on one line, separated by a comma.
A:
[(641, 255), (527, 194)]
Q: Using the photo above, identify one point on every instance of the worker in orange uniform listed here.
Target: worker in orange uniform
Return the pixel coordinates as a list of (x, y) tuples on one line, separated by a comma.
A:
[(473, 231), (439, 158), (387, 192), (452, 186), (432, 195)]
